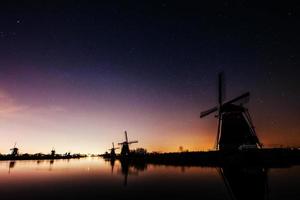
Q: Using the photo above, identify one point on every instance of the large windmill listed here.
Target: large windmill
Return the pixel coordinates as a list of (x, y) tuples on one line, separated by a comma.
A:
[(14, 150), (113, 151), (235, 128), (125, 146)]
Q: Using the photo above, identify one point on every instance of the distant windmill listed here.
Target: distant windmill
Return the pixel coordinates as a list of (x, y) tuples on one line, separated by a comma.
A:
[(125, 146), (235, 128), (53, 152), (112, 151), (14, 150)]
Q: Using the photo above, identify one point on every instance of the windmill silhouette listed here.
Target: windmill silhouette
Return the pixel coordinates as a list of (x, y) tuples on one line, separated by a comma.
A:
[(235, 128), (53, 152), (14, 150), (125, 146), (113, 151)]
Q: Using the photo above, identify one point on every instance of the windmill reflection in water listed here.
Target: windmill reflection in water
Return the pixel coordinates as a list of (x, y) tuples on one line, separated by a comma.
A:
[(128, 168), (245, 183)]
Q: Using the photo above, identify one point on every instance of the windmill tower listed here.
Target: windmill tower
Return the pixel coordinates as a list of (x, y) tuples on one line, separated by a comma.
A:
[(14, 150), (113, 151), (235, 128), (125, 146)]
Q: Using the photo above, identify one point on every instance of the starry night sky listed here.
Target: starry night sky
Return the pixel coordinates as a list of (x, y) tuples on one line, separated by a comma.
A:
[(75, 75)]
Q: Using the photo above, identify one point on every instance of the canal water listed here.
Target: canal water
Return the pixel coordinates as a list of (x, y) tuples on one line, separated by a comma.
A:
[(95, 178)]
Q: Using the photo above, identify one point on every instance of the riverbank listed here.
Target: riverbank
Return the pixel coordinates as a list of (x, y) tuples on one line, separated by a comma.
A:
[(275, 157), (40, 157)]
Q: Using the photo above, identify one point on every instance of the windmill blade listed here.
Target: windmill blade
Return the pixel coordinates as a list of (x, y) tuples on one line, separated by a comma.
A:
[(114, 148), (221, 88), (131, 142), (207, 112), (216, 142), (244, 97), (218, 133), (126, 137), (121, 143)]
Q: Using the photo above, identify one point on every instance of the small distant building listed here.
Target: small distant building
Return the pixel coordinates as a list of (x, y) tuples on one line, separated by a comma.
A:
[(141, 151)]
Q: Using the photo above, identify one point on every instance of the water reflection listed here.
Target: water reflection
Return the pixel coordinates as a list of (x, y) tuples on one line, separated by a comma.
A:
[(93, 178), (241, 183), (128, 168), (112, 164), (51, 162), (245, 183), (11, 165)]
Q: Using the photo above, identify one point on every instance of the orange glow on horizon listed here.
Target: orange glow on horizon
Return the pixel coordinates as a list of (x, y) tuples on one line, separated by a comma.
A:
[(76, 129)]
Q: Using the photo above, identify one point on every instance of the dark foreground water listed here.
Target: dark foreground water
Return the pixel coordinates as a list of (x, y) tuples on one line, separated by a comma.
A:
[(94, 178)]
